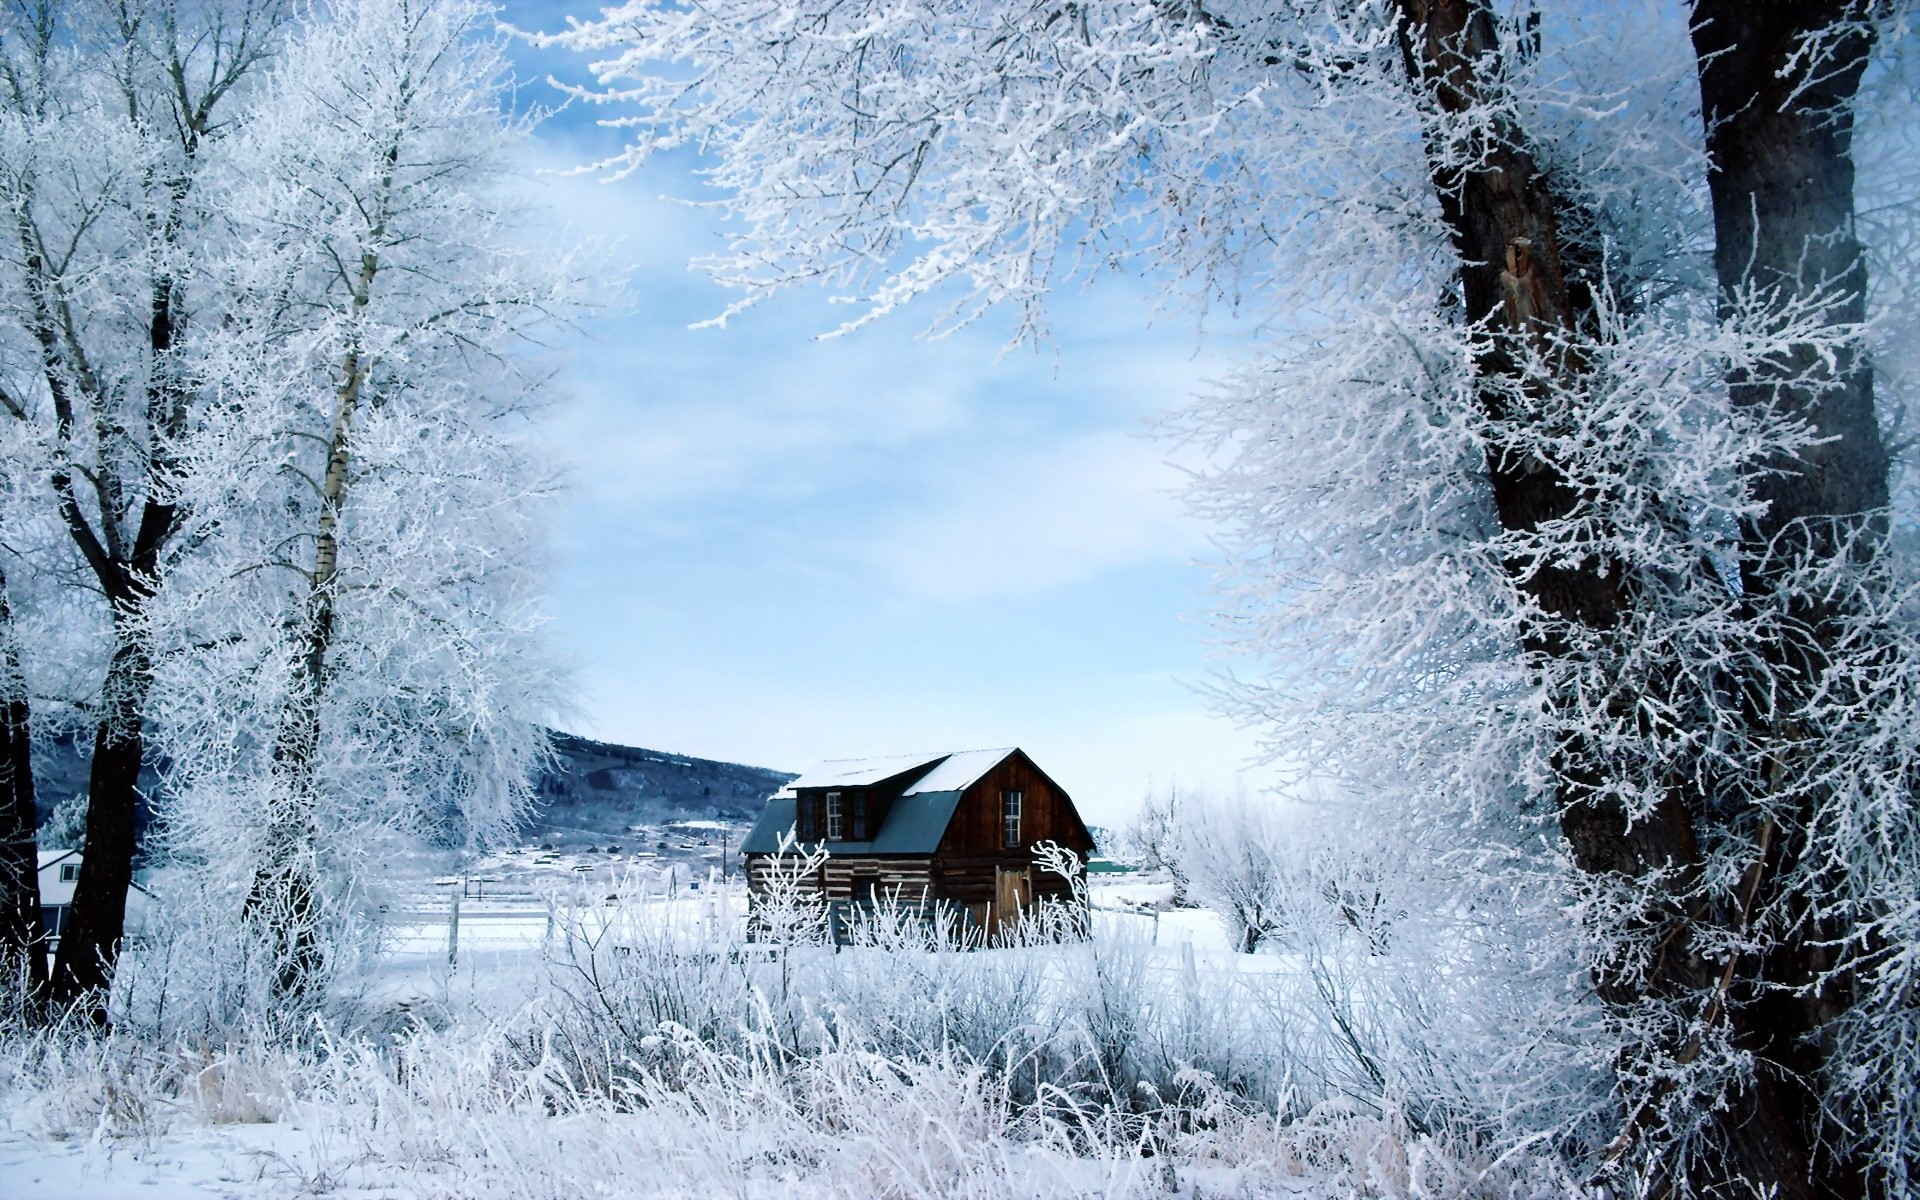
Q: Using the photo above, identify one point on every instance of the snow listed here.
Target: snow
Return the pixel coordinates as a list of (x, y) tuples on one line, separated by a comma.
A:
[(853, 772), (959, 771), (276, 1161), (956, 770), (353, 1131), (238, 1161)]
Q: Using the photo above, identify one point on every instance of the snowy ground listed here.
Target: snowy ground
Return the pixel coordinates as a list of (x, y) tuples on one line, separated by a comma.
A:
[(938, 1135)]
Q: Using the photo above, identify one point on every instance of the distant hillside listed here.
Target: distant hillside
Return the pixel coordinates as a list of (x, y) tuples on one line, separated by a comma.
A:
[(600, 790), (596, 790)]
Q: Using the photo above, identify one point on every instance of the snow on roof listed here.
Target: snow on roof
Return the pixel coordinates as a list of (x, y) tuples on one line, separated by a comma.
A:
[(916, 823), (952, 771), (960, 771), (853, 772)]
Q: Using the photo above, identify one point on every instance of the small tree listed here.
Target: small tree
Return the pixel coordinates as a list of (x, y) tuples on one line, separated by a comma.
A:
[(1229, 849), (1153, 838)]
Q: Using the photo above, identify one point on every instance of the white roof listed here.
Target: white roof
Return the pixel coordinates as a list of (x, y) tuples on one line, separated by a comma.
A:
[(950, 772), (853, 772), (961, 771), (50, 857)]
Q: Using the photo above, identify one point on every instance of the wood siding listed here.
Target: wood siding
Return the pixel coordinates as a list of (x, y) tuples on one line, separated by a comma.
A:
[(973, 863), (837, 876), (1046, 815), (972, 866)]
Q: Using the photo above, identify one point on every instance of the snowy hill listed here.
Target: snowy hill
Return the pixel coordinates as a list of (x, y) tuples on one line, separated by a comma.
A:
[(599, 791), (596, 792)]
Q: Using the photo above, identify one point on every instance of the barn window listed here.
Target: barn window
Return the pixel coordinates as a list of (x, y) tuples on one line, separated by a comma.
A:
[(69, 872), (1010, 818), (833, 816), (860, 831)]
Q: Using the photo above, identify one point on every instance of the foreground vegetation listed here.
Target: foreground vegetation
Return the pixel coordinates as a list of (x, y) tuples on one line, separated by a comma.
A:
[(666, 1056)]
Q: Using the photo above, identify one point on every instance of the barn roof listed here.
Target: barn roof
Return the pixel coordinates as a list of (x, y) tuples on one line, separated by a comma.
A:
[(915, 826), (955, 770), (918, 819), (959, 771), (857, 772)]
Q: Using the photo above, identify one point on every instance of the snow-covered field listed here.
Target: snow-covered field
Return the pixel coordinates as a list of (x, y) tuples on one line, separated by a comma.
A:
[(637, 1046)]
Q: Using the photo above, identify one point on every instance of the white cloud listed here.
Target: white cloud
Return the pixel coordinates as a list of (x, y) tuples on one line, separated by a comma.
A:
[(695, 415), (1021, 523)]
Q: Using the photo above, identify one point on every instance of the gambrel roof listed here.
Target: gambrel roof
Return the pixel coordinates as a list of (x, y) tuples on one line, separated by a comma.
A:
[(917, 820)]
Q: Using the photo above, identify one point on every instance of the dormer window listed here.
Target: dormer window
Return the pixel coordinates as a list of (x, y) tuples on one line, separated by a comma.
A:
[(833, 816), (69, 872), (1010, 819)]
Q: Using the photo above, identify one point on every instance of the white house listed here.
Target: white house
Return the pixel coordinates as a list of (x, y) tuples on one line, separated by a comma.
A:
[(59, 875)]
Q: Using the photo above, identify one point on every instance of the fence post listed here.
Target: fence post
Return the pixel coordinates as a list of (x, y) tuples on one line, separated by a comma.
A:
[(453, 926)]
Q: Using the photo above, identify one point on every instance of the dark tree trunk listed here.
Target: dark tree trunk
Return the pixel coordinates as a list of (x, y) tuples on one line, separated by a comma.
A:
[(20, 929), (1779, 129), (1781, 178), (1504, 216), (90, 939)]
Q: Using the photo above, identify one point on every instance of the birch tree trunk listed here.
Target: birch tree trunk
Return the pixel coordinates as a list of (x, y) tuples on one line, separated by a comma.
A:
[(285, 887)]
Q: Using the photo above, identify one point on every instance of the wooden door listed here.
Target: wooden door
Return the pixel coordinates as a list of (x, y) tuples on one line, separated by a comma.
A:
[(1012, 886)]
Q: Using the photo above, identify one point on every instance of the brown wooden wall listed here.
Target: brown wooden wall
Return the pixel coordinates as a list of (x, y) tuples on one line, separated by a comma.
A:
[(837, 875), (1047, 815)]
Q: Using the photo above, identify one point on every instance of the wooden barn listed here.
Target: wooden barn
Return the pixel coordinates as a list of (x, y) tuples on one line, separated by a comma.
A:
[(955, 829)]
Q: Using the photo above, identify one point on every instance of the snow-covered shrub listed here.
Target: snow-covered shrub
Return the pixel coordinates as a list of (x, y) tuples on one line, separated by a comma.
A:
[(488, 1110), (1409, 971), (616, 984), (194, 974), (1227, 850)]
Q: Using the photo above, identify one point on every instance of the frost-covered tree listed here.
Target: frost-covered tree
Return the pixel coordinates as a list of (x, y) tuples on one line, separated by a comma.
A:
[(1227, 850), (109, 115), (356, 648), (265, 308), (1151, 839), (1557, 498)]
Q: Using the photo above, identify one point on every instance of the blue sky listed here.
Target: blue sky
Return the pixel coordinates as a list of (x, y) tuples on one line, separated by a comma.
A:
[(778, 549)]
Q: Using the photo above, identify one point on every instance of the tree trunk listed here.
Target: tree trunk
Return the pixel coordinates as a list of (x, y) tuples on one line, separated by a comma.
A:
[(285, 888), (1502, 213), (1781, 179), (20, 921), (1779, 128), (90, 939)]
